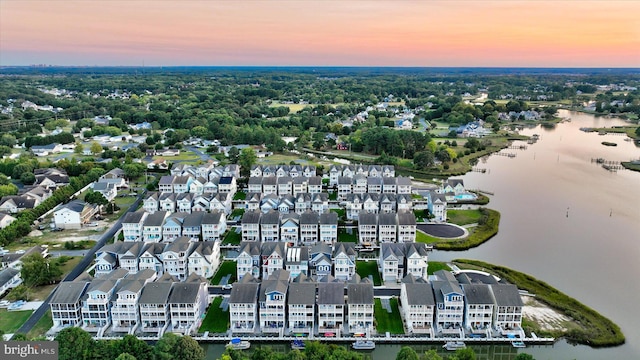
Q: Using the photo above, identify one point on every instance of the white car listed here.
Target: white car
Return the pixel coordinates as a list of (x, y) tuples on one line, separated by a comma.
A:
[(20, 252), (91, 224), (4, 303)]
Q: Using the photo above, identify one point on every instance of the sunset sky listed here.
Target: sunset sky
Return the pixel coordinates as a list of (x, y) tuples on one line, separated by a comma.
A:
[(536, 33)]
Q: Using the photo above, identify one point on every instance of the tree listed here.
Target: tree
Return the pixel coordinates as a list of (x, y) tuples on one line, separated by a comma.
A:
[(165, 346), (247, 159), (27, 178), (95, 148), (188, 349), (137, 348), (134, 170), (79, 149), (8, 189), (423, 160), (74, 344), (126, 356), (524, 356), (464, 354), (233, 155), (407, 353), (94, 197), (431, 355), (7, 140), (20, 292), (37, 270)]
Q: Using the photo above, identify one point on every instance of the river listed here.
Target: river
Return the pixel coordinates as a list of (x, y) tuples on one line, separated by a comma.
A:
[(565, 221)]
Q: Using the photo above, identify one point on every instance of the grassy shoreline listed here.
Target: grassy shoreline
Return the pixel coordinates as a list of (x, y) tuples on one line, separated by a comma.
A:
[(596, 330), (487, 229)]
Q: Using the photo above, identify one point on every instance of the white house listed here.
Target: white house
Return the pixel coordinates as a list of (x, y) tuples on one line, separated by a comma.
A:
[(132, 225), (272, 300), (74, 214), (478, 309), (66, 304), (187, 304), (360, 308), (301, 306), (417, 305), (243, 306), (330, 308)]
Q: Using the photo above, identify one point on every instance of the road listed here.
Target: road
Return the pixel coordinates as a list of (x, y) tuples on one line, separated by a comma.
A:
[(84, 263), (197, 151), (377, 292)]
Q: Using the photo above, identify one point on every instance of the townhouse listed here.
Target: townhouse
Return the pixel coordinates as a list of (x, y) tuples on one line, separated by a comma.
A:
[(387, 228), (296, 261), (360, 307), (243, 307), (508, 310), (478, 309), (269, 226), (214, 225), (328, 227), (330, 308), (449, 304), (344, 261), (152, 226), (251, 226), (124, 306), (320, 263), (248, 260), (417, 305), (175, 257), (132, 225), (153, 304), (187, 304), (96, 303), (368, 229), (65, 304), (272, 300), (309, 224), (301, 306), (204, 259)]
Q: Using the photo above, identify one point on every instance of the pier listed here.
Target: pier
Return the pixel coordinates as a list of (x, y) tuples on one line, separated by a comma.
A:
[(479, 170), (510, 155), (517, 147)]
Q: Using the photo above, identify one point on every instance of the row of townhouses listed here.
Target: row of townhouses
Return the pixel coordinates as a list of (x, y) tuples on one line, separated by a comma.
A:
[(300, 203), (165, 226), (310, 227), (47, 181), (284, 185), (293, 171), (188, 202), (349, 171), (120, 302), (180, 184), (180, 258), (301, 306), (361, 184), (449, 305), (321, 260)]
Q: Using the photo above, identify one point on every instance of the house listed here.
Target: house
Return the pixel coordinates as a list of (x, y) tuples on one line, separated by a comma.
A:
[(416, 259), (243, 305), (252, 201), (175, 257), (153, 305), (360, 308), (388, 203), (129, 256), (151, 257), (124, 307), (132, 225), (328, 227), (334, 172), (389, 185), (254, 185), (44, 150), (167, 202), (13, 204), (449, 304), (358, 184), (344, 187), (152, 226), (9, 278), (192, 226), (51, 178), (344, 261), (197, 185), (270, 226), (165, 184), (406, 227), (74, 214), (478, 309), (272, 300), (289, 228), (314, 184), (251, 226), (173, 227), (284, 185), (227, 184), (214, 225), (375, 185), (320, 260), (96, 304), (181, 184), (368, 229), (273, 256), (319, 202), (387, 228), (508, 310), (404, 185), (353, 206), (65, 304), (151, 204), (370, 203), (309, 227), (301, 306), (302, 203), (437, 206), (403, 124), (391, 262), (6, 220), (187, 304), (184, 202), (417, 305), (204, 259), (269, 185), (300, 185), (296, 261), (455, 186), (330, 308), (248, 260)]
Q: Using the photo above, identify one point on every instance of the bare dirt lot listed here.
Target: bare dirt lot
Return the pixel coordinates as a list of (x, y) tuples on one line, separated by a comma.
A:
[(546, 317)]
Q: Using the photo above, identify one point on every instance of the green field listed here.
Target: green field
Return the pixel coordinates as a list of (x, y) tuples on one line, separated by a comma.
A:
[(366, 268), (10, 321), (42, 326), (463, 217), (385, 321), (436, 265), (232, 238), (343, 236), (226, 268), (216, 321)]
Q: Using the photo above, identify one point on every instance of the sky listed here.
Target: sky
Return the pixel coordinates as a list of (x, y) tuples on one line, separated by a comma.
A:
[(476, 33)]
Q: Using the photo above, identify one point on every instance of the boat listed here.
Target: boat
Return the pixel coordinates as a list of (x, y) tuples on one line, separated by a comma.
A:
[(297, 345), (238, 344), (518, 344), (364, 345), (454, 345)]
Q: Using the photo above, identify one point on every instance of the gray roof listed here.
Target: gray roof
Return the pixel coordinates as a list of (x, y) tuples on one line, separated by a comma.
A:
[(445, 275), (419, 294), (133, 217), (454, 182), (403, 180), (180, 244), (389, 180), (194, 219), (244, 293), (255, 180), (322, 248), (445, 287), (184, 293), (315, 180), (406, 218), (211, 218), (386, 219), (329, 218), (347, 248), (251, 217), (477, 294), (269, 181), (269, 286), (133, 286), (101, 285), (250, 247), (331, 293), (166, 180), (367, 219), (506, 295), (155, 219), (302, 293), (75, 205), (309, 218), (272, 217), (7, 274), (155, 293), (361, 293)]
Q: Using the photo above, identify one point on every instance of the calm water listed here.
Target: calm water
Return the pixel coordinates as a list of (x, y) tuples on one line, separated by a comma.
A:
[(592, 255)]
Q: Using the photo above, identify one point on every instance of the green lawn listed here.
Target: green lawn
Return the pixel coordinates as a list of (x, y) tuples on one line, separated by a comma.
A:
[(463, 217), (342, 213), (226, 268), (232, 238), (10, 321), (185, 155), (437, 265), (343, 236), (333, 196), (366, 268), (216, 321), (385, 321), (240, 195), (40, 293), (42, 326), (424, 238), (236, 212)]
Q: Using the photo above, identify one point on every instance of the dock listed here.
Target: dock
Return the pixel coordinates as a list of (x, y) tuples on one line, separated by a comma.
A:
[(510, 155), (517, 147)]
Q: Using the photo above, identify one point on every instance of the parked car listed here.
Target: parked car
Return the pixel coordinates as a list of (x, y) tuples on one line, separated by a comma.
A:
[(17, 305), (20, 251), (91, 224), (4, 303)]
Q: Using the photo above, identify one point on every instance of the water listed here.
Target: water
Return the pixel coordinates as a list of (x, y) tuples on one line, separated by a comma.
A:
[(566, 221)]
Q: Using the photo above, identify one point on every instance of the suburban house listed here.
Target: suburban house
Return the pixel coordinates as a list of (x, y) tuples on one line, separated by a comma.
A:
[(478, 309), (320, 260), (124, 307), (187, 304), (273, 255), (204, 259), (74, 214), (248, 260), (360, 307), (344, 261), (44, 150), (251, 226), (301, 306), (153, 304), (296, 261), (329, 227), (152, 226), (417, 305), (330, 307), (214, 225), (272, 300), (65, 304), (243, 306), (6, 220), (368, 229), (455, 186), (449, 304), (269, 226), (132, 225), (387, 228), (108, 190), (9, 278), (508, 304), (13, 204), (437, 205), (406, 227), (175, 257), (309, 227)]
